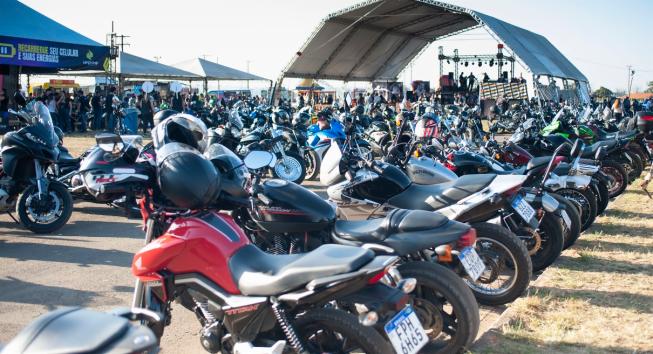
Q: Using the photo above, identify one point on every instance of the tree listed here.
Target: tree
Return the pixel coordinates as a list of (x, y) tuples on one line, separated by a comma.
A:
[(650, 87), (602, 92)]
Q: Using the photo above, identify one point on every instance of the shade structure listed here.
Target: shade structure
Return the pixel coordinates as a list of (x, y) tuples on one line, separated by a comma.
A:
[(132, 66), (375, 40), (309, 85), (39, 44), (214, 71)]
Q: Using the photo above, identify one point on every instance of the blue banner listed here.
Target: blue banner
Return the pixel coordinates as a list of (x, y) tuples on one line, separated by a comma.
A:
[(44, 54)]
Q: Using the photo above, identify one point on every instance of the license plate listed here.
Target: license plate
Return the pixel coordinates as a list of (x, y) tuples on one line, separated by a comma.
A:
[(566, 219), (523, 208), (406, 332), (472, 263)]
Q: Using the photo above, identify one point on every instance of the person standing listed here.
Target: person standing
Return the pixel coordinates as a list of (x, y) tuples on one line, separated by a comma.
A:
[(108, 108), (147, 112), (64, 109), (4, 109), (626, 106), (82, 110), (96, 106), (177, 103)]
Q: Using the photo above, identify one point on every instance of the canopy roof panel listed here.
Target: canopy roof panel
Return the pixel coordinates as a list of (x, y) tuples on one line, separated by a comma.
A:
[(134, 66), (215, 71), (377, 39), (21, 21)]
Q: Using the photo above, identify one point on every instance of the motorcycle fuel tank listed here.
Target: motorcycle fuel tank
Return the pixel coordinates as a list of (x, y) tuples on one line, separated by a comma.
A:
[(293, 208), (427, 171)]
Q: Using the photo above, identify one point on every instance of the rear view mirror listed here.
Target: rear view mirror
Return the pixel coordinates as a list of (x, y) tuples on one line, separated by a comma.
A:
[(576, 149), (258, 159)]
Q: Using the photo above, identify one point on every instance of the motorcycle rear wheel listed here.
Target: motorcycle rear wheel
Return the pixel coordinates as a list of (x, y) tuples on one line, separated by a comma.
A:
[(618, 175), (312, 160), (603, 197), (500, 250), (458, 310), (573, 232), (587, 200), (329, 330), (553, 240)]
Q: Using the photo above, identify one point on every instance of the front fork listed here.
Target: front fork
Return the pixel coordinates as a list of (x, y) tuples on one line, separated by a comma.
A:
[(41, 180), (137, 301)]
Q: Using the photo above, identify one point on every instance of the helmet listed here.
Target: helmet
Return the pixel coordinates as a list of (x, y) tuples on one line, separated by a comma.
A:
[(185, 177), (280, 117), (324, 114), (163, 114), (360, 110), (180, 128)]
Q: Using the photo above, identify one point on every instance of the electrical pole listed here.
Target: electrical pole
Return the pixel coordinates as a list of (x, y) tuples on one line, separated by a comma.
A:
[(248, 73), (157, 58), (115, 41)]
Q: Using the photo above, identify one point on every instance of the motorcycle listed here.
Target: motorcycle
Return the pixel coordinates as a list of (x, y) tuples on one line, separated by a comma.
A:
[(43, 205), (281, 217), (74, 329)]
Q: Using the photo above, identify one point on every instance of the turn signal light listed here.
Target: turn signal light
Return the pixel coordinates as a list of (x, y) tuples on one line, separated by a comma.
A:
[(444, 253)]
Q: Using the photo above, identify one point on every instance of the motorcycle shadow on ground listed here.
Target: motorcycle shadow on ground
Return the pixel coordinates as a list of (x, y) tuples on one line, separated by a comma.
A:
[(82, 228), (82, 256), (621, 299), (52, 297)]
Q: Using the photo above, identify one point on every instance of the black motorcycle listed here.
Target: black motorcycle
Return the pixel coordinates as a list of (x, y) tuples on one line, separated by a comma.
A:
[(43, 205)]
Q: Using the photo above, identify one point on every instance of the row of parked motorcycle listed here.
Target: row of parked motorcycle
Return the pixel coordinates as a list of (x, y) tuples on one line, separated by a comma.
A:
[(420, 225)]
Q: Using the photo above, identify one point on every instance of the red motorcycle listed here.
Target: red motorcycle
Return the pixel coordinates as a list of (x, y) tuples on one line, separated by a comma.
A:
[(334, 299)]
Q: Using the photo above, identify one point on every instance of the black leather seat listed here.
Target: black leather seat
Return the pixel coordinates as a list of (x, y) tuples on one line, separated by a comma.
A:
[(405, 231), (262, 274), (590, 151), (538, 162), (438, 196), (76, 330)]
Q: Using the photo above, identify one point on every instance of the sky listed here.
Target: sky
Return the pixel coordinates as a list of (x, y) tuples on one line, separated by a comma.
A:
[(600, 37)]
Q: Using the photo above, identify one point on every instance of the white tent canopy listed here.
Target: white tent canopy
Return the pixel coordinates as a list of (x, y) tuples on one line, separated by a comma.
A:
[(375, 40), (214, 71)]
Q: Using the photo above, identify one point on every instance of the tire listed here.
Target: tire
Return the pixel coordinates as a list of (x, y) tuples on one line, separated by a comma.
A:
[(312, 160), (441, 286), (619, 176), (65, 205), (553, 241), (587, 200), (603, 197), (638, 164), (573, 232), (294, 162), (490, 239), (343, 323), (634, 147)]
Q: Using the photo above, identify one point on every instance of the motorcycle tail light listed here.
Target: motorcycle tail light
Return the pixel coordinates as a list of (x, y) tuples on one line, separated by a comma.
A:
[(511, 192), (377, 277), (467, 240)]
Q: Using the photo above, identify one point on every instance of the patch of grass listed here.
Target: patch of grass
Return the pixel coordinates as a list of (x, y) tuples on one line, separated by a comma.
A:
[(598, 297)]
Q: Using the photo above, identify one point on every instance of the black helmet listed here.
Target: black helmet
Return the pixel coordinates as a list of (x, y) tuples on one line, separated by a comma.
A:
[(186, 178), (280, 117), (180, 128), (161, 115), (360, 110)]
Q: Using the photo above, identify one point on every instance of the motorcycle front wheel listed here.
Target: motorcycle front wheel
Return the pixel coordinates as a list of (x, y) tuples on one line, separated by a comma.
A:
[(444, 305), (618, 177), (47, 213), (292, 168), (587, 201)]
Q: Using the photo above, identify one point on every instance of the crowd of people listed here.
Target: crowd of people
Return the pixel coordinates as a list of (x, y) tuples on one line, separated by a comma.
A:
[(624, 107), (103, 110)]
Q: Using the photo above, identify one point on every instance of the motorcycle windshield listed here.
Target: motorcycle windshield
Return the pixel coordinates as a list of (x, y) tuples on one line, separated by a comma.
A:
[(235, 120), (42, 125)]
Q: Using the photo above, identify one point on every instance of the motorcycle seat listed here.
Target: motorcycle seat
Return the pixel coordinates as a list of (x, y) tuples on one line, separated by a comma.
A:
[(590, 151), (262, 274), (438, 196), (68, 160), (405, 231), (538, 162), (603, 135), (74, 330)]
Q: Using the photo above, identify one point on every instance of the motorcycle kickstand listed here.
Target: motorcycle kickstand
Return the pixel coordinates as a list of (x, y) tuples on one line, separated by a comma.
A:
[(12, 216)]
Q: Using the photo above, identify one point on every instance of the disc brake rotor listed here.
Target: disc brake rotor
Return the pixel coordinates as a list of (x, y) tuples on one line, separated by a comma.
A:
[(44, 210), (533, 239), (288, 169)]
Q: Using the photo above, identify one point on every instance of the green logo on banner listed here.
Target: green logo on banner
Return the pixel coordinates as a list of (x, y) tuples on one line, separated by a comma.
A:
[(89, 55)]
